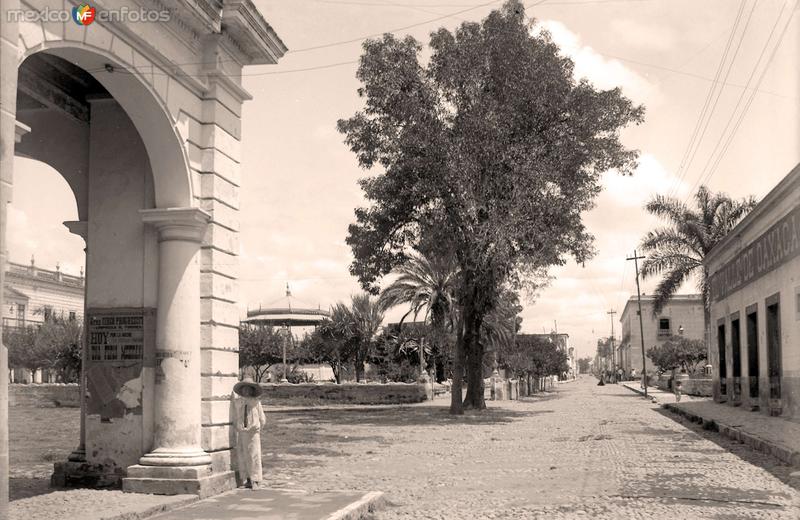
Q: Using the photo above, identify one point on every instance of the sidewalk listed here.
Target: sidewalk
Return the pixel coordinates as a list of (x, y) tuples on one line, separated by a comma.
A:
[(656, 393), (279, 504), (772, 435)]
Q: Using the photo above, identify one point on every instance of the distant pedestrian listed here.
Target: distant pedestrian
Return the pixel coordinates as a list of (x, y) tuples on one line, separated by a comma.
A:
[(248, 419), (678, 387), (620, 374)]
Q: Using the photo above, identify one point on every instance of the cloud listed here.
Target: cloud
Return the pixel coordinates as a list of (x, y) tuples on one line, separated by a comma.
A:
[(603, 72), (635, 190)]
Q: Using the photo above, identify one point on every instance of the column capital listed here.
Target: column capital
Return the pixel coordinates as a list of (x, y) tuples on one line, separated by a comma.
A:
[(186, 224), (78, 227)]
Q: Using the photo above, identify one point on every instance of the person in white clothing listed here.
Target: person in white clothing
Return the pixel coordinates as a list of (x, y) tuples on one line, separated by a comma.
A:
[(248, 421)]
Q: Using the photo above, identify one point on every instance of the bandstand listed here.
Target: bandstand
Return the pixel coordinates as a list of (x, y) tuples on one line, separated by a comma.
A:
[(286, 313)]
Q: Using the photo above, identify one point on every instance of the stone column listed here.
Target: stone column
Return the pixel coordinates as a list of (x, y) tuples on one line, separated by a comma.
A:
[(177, 417), (81, 228)]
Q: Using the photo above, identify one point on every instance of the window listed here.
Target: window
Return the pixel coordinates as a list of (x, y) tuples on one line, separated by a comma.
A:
[(47, 311), (21, 314), (663, 327), (72, 316)]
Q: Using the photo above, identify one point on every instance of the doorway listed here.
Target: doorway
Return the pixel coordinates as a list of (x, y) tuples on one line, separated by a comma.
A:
[(774, 346), (736, 357), (723, 368), (752, 351)]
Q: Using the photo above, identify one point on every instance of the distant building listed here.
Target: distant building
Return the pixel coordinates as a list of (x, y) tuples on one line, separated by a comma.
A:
[(681, 316), (32, 295), (754, 273)]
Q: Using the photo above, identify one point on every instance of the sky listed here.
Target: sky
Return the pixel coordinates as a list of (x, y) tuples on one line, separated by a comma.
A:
[(299, 179)]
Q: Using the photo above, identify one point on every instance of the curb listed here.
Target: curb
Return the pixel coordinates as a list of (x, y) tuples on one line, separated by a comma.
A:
[(369, 503), (155, 510), (641, 392), (779, 451)]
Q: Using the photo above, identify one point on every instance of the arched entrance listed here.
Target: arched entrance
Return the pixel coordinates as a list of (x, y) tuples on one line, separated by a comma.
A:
[(142, 360), (143, 120)]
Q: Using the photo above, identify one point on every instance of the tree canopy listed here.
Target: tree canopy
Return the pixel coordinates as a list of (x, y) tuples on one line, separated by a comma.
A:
[(495, 142)]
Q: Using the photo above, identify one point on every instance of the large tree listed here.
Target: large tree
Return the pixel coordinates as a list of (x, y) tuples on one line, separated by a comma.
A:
[(676, 251), (495, 141)]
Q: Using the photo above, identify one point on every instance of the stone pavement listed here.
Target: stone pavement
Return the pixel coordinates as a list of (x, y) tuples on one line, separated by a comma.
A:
[(579, 452), (776, 436), (272, 504)]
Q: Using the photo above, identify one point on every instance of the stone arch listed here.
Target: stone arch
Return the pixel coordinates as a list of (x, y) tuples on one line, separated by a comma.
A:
[(147, 110)]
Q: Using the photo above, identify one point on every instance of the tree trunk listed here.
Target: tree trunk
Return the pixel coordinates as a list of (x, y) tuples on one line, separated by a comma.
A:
[(456, 405), (473, 350)]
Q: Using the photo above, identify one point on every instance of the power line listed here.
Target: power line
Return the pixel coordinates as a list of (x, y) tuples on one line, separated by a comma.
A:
[(747, 105), (719, 92), (398, 29), (682, 167)]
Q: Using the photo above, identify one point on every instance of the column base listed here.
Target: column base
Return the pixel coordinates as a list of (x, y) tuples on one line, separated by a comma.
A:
[(79, 455), (178, 480), (176, 457)]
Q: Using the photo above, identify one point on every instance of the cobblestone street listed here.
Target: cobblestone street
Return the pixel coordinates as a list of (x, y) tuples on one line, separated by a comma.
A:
[(581, 451)]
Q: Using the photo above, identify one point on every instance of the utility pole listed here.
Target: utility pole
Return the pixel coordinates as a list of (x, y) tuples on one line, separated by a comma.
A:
[(611, 313), (636, 259)]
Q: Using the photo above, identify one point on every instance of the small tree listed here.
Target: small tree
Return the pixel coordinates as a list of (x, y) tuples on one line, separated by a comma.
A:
[(63, 338), (584, 364), (23, 349), (678, 352), (259, 348)]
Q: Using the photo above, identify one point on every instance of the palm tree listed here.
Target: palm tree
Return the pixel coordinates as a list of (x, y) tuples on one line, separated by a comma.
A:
[(426, 283), (676, 251), (366, 315)]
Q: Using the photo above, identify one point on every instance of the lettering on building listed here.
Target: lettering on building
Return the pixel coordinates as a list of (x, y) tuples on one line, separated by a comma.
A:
[(778, 245), (115, 337)]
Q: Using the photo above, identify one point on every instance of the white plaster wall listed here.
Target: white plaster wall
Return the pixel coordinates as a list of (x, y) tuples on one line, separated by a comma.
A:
[(784, 281), (686, 313), (120, 185)]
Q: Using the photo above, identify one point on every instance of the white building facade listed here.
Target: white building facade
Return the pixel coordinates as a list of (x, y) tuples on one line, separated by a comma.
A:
[(755, 305), (682, 316)]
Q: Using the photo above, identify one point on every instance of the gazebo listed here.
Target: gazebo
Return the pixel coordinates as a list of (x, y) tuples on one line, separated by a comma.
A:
[(286, 312)]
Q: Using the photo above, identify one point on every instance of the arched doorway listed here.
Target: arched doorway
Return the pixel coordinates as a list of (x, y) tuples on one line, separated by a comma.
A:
[(163, 256), (127, 168)]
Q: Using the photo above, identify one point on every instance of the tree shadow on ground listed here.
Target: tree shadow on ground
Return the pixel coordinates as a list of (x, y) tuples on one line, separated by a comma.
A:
[(428, 416), (26, 487), (772, 465)]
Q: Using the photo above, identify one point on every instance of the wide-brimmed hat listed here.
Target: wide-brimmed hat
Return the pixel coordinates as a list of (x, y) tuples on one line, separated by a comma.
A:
[(248, 381)]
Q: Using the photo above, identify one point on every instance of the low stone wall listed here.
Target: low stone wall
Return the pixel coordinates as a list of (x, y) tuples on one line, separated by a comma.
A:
[(44, 395), (700, 387), (354, 393)]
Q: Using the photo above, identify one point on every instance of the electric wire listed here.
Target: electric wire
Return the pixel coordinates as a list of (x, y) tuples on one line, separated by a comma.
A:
[(707, 102), (746, 108)]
